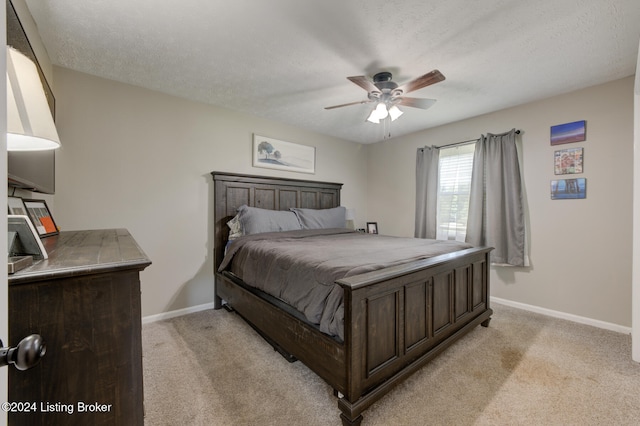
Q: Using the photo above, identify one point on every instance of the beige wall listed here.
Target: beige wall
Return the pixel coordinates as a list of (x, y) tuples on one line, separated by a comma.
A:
[(580, 250), (140, 160)]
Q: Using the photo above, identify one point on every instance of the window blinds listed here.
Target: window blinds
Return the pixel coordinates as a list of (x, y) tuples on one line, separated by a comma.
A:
[(455, 167)]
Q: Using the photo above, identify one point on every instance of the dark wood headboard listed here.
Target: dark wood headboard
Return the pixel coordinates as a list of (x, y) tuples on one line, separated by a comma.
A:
[(233, 190)]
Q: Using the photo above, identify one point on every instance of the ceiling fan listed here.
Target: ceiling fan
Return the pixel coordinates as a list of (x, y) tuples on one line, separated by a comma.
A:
[(388, 95)]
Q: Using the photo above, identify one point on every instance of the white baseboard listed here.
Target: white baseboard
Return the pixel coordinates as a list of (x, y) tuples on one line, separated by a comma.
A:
[(563, 315), (176, 313)]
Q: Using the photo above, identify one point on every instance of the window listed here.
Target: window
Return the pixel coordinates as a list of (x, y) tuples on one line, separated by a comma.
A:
[(454, 172)]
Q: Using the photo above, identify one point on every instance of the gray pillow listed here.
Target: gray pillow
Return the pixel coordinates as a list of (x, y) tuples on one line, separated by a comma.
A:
[(322, 219), (254, 220)]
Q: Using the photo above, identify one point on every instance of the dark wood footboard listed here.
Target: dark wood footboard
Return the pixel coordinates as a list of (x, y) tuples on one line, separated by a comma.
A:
[(398, 319)]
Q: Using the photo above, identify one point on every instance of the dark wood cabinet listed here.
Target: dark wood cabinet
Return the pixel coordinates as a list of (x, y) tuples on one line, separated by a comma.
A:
[(85, 303)]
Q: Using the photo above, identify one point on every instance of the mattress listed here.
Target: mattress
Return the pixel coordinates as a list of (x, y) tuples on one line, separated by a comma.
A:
[(301, 267)]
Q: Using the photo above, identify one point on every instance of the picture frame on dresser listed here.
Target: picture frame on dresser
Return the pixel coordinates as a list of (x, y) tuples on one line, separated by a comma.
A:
[(372, 227), (16, 206), (41, 217), (24, 239)]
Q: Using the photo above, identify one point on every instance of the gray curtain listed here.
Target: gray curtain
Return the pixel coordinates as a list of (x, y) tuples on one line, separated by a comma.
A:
[(496, 212), (426, 191)]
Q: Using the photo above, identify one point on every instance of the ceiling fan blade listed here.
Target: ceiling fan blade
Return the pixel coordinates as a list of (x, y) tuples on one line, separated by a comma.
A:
[(423, 103), (428, 79), (350, 103), (364, 82)]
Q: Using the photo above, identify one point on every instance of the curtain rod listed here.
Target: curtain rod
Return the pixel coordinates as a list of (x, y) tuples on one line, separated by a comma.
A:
[(446, 145)]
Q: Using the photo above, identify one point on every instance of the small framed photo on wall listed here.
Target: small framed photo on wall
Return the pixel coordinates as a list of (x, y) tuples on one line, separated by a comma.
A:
[(41, 217), (569, 132), (569, 189), (372, 227), (568, 161)]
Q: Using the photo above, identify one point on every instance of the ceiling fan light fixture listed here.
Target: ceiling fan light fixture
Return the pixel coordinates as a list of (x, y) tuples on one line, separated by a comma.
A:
[(395, 112), (373, 117), (381, 111)]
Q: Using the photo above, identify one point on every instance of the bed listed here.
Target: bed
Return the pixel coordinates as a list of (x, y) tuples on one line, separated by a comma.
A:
[(395, 319)]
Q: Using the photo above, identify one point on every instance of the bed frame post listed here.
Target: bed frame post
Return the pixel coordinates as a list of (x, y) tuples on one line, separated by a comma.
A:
[(347, 422), (217, 301)]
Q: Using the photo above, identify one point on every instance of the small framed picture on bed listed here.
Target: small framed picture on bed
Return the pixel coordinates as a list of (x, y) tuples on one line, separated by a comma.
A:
[(41, 217), (372, 227)]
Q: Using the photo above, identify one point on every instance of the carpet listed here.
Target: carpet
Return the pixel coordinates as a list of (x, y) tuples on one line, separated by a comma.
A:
[(211, 368)]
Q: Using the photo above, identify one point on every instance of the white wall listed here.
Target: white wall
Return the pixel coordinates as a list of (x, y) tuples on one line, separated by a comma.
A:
[(141, 160), (580, 250)]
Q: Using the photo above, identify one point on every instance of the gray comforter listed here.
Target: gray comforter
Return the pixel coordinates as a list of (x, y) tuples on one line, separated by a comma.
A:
[(301, 267)]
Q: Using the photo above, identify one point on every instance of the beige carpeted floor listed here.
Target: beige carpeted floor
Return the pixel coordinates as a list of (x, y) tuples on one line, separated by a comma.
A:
[(211, 368)]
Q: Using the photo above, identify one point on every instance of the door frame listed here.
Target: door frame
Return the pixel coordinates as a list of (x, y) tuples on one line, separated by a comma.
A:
[(635, 281), (4, 287)]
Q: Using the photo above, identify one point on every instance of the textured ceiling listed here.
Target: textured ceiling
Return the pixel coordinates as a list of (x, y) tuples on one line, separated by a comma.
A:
[(285, 60)]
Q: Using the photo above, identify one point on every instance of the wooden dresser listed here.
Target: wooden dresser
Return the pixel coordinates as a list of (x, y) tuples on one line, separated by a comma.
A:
[(85, 303)]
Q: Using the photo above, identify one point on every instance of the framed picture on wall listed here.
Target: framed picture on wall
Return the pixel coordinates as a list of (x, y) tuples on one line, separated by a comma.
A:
[(569, 189), (41, 217), (569, 132), (568, 161), (272, 153)]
